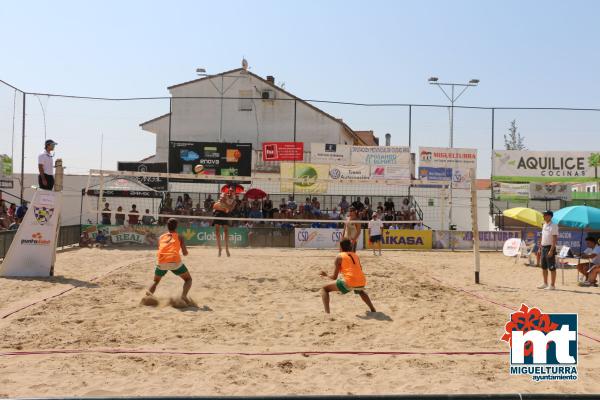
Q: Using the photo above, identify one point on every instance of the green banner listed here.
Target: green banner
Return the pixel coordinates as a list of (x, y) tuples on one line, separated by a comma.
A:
[(6, 165), (238, 237), (148, 235)]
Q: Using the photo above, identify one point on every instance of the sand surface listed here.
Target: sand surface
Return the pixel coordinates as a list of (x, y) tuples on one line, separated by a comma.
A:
[(267, 301)]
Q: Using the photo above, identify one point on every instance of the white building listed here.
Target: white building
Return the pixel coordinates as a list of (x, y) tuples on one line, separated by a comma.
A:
[(239, 106)]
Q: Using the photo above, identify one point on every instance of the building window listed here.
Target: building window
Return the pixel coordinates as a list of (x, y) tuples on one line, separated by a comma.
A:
[(245, 100)]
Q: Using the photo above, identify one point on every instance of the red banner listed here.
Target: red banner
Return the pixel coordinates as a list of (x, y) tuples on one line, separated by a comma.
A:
[(283, 151)]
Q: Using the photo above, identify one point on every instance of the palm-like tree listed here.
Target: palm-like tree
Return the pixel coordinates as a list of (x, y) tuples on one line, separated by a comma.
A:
[(594, 161)]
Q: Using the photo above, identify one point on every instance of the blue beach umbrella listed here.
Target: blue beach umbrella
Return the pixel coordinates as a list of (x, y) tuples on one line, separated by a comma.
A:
[(583, 217)]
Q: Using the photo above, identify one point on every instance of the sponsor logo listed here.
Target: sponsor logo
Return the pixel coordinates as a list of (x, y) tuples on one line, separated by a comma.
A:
[(426, 155), (336, 236), (212, 237), (211, 152), (43, 214), (306, 176), (335, 173), (391, 238), (306, 236), (188, 155), (330, 148), (233, 155), (543, 346), (37, 239), (188, 234)]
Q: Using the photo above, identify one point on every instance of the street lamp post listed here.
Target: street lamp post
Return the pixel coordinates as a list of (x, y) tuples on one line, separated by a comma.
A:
[(452, 97)]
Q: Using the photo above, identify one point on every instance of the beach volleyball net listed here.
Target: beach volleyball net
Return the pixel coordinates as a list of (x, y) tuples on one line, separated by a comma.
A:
[(138, 197)]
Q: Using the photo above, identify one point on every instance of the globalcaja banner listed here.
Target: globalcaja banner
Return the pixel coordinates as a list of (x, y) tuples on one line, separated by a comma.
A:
[(330, 153), (550, 191), (381, 155), (447, 157), (148, 235), (320, 238), (390, 172), (404, 239), (283, 151), (153, 182), (304, 177), (219, 159), (545, 166), (463, 240), (357, 172)]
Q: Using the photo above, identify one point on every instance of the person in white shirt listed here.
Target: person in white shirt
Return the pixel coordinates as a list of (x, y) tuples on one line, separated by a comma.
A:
[(592, 269), (375, 228), (46, 166), (547, 250)]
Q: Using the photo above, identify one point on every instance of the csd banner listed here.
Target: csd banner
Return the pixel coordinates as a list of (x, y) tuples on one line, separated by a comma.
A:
[(381, 155), (330, 153), (304, 177), (405, 239), (545, 166), (313, 238)]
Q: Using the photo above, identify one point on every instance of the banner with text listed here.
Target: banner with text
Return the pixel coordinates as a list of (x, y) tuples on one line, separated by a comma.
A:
[(318, 238), (357, 172), (404, 239), (545, 166), (446, 157), (381, 155), (330, 153), (390, 172), (550, 191), (511, 191), (304, 177), (458, 240), (283, 151)]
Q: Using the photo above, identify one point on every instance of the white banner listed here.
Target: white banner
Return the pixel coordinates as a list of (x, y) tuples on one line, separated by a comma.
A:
[(381, 155), (557, 166), (447, 157), (330, 153), (511, 191), (390, 172), (34, 246), (350, 172), (550, 191), (320, 238)]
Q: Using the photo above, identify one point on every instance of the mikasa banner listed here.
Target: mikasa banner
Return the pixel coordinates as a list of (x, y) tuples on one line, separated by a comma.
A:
[(554, 166), (33, 248)]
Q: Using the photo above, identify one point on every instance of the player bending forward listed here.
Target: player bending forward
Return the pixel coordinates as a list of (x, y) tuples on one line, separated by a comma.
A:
[(169, 259), (353, 278)]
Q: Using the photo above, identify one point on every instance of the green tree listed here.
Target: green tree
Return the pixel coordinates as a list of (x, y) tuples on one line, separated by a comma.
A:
[(513, 140), (594, 161)]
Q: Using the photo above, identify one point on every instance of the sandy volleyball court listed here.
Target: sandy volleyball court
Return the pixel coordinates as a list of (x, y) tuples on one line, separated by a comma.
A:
[(266, 301)]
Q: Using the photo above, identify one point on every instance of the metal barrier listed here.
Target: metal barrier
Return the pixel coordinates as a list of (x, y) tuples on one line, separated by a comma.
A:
[(67, 235)]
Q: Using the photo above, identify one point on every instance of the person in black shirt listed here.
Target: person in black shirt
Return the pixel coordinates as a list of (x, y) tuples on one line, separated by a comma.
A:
[(358, 205), (106, 215), (389, 205)]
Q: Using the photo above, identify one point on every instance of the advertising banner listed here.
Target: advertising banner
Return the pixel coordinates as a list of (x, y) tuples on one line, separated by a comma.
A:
[(319, 238), (33, 248), (148, 234), (357, 172), (390, 172), (545, 166), (435, 174), (220, 159), (330, 153), (153, 182), (381, 155), (459, 240), (304, 177), (6, 165), (283, 151), (550, 191), (511, 191), (404, 239), (447, 157)]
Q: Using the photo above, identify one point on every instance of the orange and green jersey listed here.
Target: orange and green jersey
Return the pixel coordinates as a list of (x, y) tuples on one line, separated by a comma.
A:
[(169, 248), (351, 270)]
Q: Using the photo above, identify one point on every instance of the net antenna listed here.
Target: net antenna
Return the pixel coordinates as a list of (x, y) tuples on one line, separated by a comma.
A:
[(474, 224)]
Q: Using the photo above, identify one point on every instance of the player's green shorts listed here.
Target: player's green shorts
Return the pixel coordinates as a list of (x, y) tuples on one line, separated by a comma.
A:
[(179, 271), (343, 288)]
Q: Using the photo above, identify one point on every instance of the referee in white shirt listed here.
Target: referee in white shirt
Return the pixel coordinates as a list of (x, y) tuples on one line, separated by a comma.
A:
[(46, 166), (547, 249)]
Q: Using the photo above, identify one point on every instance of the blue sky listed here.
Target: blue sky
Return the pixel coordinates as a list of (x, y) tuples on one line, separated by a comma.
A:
[(534, 53)]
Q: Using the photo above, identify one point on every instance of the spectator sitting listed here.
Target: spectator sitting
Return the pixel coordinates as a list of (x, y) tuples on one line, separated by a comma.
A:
[(405, 209), (344, 205), (307, 207), (316, 207), (12, 209), (84, 240), (20, 212), (291, 204), (148, 219), (179, 203), (120, 216), (101, 238), (334, 214), (592, 253), (389, 216), (134, 216), (187, 202), (267, 208), (254, 210), (208, 203), (358, 205), (167, 203), (367, 203), (389, 205)]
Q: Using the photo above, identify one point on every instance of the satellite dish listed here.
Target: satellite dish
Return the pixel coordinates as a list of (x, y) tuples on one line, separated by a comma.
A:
[(244, 64)]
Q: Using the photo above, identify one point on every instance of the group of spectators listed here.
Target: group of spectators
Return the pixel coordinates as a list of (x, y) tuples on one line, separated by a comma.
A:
[(11, 215), (288, 208)]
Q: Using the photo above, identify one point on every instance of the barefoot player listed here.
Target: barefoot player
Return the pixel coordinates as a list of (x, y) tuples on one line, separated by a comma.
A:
[(169, 259), (353, 278), (223, 208)]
